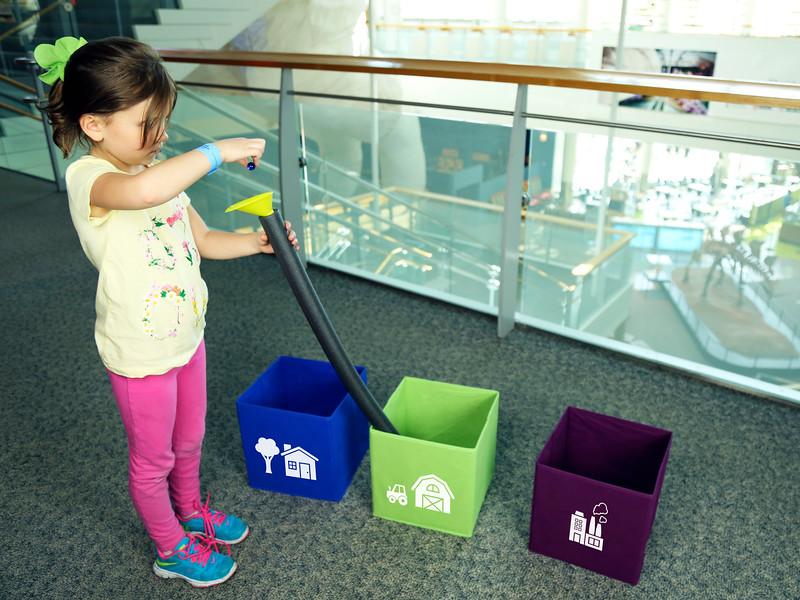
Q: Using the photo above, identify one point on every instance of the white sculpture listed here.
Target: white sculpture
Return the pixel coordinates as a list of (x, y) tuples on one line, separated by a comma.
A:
[(339, 128)]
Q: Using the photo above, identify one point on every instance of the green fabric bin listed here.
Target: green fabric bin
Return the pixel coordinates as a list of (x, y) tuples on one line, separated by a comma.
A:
[(435, 474)]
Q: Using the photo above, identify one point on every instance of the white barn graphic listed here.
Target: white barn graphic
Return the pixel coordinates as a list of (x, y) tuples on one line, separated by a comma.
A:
[(432, 493)]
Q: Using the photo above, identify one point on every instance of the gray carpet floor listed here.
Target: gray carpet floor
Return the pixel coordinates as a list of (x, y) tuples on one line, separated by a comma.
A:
[(726, 525)]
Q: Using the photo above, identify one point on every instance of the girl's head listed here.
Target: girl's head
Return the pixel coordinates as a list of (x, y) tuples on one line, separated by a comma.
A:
[(117, 96)]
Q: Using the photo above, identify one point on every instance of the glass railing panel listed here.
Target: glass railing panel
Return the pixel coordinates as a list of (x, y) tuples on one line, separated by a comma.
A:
[(456, 93), (588, 107), (22, 140), (21, 27), (556, 250), (203, 114), (431, 216), (252, 78), (650, 118), (23, 146), (683, 247)]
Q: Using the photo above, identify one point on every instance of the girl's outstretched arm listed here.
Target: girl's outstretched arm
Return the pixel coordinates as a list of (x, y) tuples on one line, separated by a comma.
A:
[(161, 182), (215, 244)]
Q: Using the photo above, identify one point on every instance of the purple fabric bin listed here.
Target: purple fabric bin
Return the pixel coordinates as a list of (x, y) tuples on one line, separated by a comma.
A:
[(596, 490)]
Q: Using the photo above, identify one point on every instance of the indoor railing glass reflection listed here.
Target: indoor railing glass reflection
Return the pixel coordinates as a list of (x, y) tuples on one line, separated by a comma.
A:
[(365, 231), (419, 238), (606, 273)]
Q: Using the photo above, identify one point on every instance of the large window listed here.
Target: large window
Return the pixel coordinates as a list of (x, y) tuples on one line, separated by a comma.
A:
[(767, 18), (448, 10)]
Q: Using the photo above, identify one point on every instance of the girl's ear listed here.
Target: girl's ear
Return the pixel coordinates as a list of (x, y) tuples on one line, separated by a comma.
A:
[(92, 126)]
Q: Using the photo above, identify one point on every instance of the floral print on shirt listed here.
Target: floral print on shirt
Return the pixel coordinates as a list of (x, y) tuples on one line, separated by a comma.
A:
[(162, 311), (165, 305), (164, 308), (161, 254)]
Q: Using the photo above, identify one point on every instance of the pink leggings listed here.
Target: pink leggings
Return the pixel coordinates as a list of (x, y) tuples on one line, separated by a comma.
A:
[(164, 418)]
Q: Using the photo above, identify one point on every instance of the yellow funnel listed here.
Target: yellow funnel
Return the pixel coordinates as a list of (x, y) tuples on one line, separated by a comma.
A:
[(260, 205)]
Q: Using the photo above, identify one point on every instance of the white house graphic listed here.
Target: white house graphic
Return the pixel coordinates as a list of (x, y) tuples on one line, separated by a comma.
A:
[(591, 537), (432, 493), (299, 463)]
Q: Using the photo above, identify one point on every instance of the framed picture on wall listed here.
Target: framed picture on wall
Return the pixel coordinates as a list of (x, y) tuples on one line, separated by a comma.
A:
[(660, 60)]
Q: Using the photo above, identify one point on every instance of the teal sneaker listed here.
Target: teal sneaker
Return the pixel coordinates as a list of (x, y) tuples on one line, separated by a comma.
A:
[(215, 524), (195, 560)]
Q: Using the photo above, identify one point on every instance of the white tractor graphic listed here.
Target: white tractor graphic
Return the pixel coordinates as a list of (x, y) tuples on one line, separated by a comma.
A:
[(397, 493)]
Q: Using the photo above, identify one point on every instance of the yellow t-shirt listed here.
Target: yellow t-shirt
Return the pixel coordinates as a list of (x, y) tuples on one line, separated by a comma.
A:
[(151, 300)]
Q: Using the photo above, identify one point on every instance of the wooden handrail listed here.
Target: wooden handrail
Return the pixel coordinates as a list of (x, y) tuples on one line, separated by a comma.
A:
[(580, 270), (784, 95), (17, 84), (19, 111)]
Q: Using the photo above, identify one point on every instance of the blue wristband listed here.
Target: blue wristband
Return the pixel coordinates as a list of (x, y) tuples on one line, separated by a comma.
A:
[(211, 152)]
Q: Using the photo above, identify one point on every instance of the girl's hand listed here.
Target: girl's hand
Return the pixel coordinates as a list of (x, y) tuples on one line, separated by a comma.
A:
[(267, 248), (241, 149)]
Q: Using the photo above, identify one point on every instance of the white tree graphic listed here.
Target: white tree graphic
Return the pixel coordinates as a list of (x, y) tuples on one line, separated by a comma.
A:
[(268, 449)]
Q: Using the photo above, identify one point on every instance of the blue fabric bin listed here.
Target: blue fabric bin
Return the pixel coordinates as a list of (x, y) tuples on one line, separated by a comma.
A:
[(302, 433)]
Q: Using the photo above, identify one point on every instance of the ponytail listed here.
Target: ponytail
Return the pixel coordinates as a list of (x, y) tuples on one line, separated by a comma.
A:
[(66, 132)]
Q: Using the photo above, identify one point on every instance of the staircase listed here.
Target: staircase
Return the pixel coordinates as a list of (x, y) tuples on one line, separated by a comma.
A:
[(199, 25)]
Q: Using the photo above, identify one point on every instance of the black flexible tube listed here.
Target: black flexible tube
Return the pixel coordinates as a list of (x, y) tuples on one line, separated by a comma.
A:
[(309, 301)]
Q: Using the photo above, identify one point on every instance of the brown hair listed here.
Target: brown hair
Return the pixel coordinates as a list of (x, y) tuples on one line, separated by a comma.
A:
[(104, 77)]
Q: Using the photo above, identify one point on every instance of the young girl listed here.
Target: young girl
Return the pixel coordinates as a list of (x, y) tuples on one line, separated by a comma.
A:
[(138, 228)]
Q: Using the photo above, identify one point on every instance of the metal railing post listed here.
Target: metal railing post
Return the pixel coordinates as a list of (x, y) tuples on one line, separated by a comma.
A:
[(41, 100), (512, 218), (289, 162), (16, 11), (72, 19), (118, 15)]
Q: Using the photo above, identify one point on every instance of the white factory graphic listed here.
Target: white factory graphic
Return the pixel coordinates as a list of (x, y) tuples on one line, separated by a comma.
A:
[(591, 536)]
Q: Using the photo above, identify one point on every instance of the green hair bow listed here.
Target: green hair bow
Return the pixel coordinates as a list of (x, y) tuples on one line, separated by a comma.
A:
[(54, 57)]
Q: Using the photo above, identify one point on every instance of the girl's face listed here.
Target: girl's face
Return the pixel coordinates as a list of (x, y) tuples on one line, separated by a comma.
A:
[(118, 138)]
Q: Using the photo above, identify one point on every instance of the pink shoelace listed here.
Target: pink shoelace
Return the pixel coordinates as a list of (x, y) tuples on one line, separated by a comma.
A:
[(211, 518), (199, 549)]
